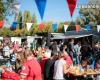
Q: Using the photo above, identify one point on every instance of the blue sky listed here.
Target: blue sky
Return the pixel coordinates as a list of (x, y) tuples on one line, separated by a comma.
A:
[(56, 10)]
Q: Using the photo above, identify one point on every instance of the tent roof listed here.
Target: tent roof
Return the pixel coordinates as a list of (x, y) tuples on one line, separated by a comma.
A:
[(71, 34)]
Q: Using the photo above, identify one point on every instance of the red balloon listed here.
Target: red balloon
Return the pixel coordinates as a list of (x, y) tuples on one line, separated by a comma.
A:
[(71, 5), (1, 24), (41, 26)]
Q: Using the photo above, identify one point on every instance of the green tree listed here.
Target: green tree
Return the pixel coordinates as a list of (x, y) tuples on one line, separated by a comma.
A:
[(27, 17), (48, 27), (34, 19), (6, 32), (90, 16), (6, 8), (2, 10), (20, 19)]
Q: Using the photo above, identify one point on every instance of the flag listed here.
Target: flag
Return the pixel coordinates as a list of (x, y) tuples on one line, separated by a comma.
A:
[(29, 26), (41, 26), (41, 4), (65, 27), (98, 28), (78, 28), (88, 28), (54, 27), (1, 24), (71, 5), (14, 25)]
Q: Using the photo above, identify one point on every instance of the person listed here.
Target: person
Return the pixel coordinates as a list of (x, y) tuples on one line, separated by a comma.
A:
[(66, 56), (6, 50), (98, 67), (54, 46), (60, 67), (31, 69), (13, 58), (77, 49), (85, 65), (72, 50), (49, 66), (16, 46)]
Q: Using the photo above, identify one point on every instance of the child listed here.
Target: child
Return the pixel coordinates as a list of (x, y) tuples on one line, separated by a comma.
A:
[(85, 65), (98, 67)]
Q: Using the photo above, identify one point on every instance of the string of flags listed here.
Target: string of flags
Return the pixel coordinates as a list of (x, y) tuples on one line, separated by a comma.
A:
[(98, 28), (41, 26), (87, 27), (1, 24), (29, 26), (78, 28), (71, 5), (54, 26), (65, 27), (41, 5)]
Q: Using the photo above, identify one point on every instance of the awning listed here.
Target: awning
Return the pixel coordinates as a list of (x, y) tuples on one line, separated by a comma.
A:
[(64, 36)]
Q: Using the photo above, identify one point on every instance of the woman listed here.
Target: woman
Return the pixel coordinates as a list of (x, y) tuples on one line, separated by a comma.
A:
[(31, 69), (49, 66), (60, 68), (67, 57)]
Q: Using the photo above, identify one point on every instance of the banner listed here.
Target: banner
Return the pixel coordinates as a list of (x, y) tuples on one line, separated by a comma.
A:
[(1, 24), (65, 27), (87, 27), (41, 26), (78, 28), (29, 26), (54, 27), (14, 25), (41, 4), (98, 28), (71, 5)]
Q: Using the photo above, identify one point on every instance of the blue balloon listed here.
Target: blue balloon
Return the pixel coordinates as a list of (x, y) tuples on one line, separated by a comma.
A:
[(41, 7), (54, 27)]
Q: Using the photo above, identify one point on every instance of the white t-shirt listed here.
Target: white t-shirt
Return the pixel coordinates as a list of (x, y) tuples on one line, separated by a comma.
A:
[(6, 50), (58, 69)]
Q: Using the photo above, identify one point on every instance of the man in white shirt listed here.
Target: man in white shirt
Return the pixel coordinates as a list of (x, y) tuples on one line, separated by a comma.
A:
[(77, 49)]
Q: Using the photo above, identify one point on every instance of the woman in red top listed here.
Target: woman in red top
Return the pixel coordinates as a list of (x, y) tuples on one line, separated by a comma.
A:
[(67, 57), (31, 69)]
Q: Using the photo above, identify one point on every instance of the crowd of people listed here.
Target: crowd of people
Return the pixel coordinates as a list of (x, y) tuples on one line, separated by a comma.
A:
[(48, 62)]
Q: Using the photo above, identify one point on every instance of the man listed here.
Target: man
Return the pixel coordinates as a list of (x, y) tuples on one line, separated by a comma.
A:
[(72, 50), (77, 48)]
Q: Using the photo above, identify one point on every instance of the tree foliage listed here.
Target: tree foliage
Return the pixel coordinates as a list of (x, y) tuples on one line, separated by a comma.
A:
[(89, 16), (6, 8)]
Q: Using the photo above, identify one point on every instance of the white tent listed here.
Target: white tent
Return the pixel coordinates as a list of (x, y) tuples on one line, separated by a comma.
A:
[(16, 39), (1, 38)]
